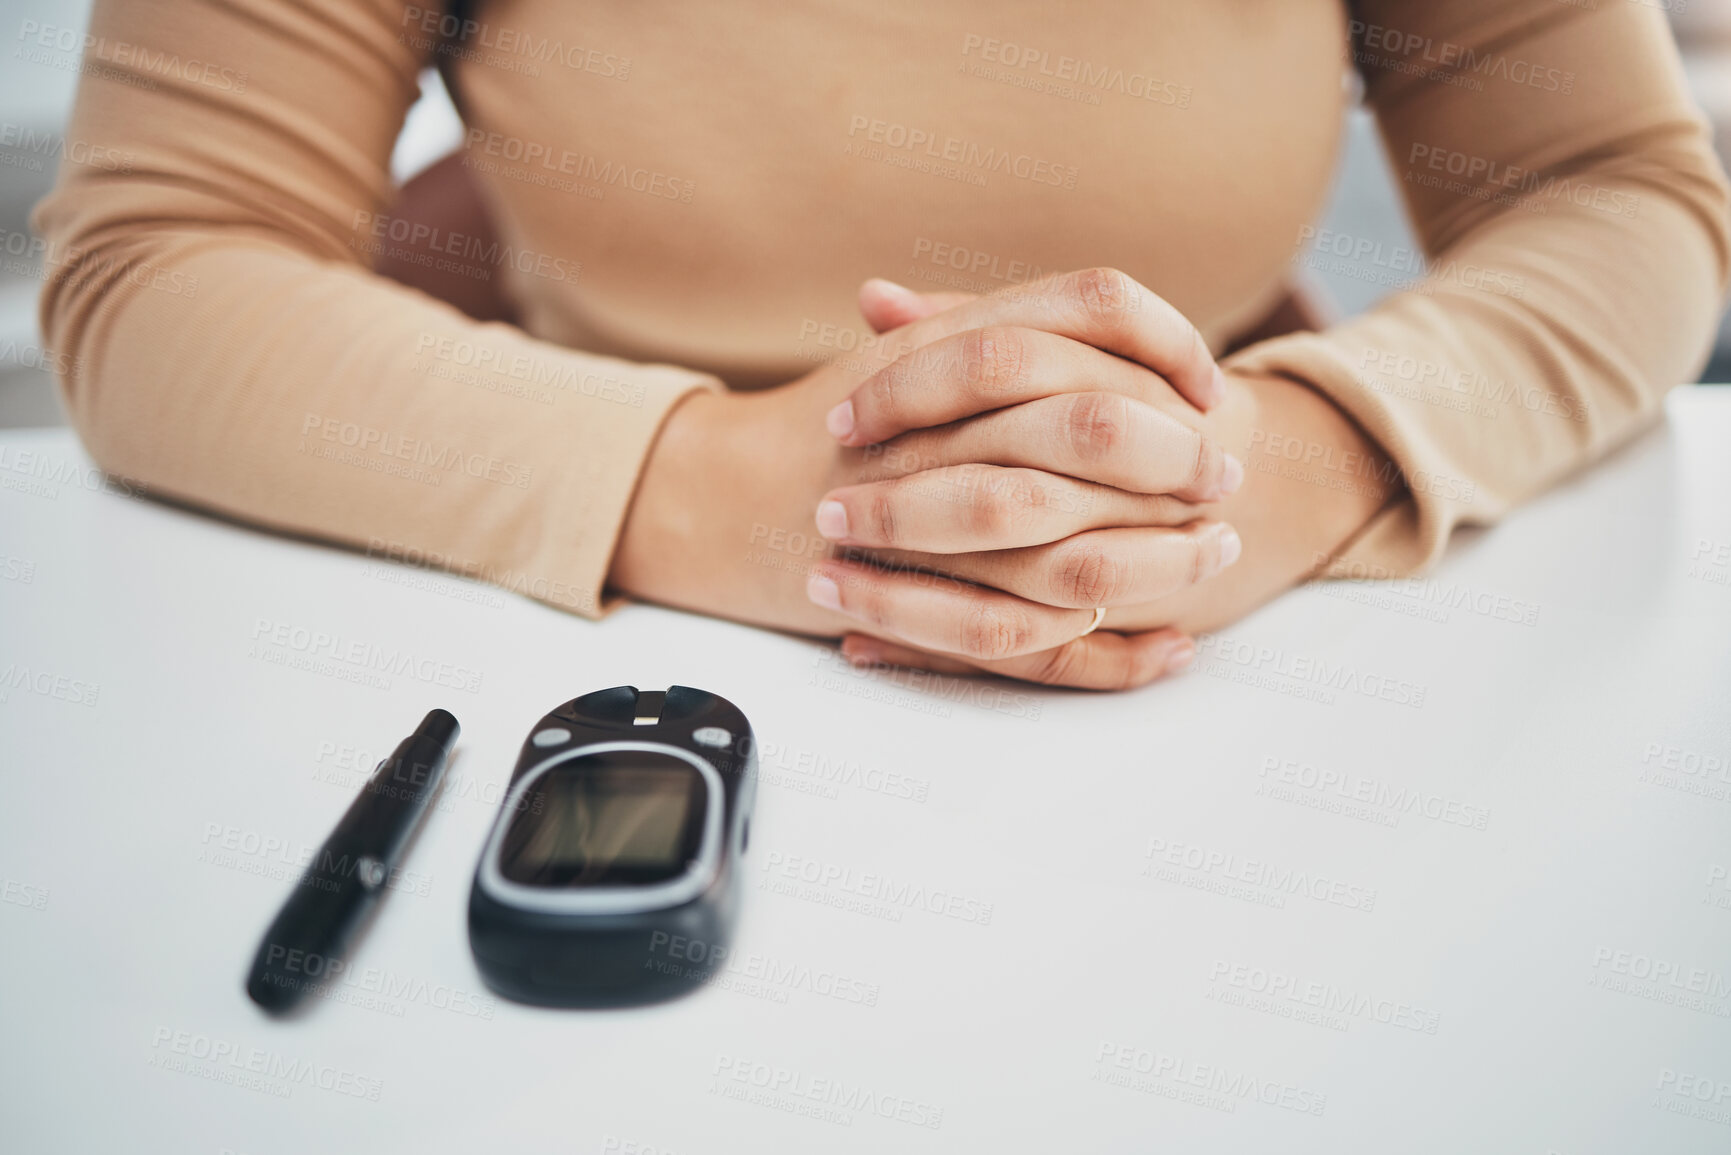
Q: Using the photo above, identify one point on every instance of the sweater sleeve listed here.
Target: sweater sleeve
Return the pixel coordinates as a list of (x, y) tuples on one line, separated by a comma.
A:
[(229, 347), (1573, 221)]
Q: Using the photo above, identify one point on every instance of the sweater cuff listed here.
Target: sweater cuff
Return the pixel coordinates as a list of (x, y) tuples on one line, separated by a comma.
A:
[(584, 509), (1409, 533)]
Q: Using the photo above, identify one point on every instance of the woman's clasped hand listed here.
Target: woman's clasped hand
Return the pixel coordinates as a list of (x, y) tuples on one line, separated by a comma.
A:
[(993, 471)]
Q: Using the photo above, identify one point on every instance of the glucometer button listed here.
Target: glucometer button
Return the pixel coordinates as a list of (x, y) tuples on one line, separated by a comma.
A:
[(711, 736), (551, 736)]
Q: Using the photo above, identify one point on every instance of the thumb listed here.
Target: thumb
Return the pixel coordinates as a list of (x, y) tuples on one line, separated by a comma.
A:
[(886, 305)]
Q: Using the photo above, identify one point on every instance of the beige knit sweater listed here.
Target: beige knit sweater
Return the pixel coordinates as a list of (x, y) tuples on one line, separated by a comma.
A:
[(689, 193)]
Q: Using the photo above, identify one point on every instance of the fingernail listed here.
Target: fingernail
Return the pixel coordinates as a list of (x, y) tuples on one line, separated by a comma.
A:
[(832, 520), (899, 290), (1232, 476), (1219, 386), (1230, 547), (1180, 658), (823, 592), (840, 419)]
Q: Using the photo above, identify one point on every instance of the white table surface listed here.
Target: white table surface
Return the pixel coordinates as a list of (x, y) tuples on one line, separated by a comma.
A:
[(1157, 879)]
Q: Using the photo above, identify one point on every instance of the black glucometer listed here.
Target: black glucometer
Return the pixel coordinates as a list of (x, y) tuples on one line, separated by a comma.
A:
[(619, 835)]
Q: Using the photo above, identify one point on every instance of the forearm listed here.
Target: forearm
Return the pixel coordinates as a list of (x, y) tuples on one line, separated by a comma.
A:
[(363, 414), (1573, 272), (224, 345), (1313, 479)]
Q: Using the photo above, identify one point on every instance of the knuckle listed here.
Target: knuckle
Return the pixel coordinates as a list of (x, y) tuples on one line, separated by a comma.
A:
[(883, 392), (879, 609), (990, 631), (1199, 466), (1032, 496), (865, 599), (895, 388), (1095, 425), (881, 514), (875, 608), (993, 513), (992, 359), (1202, 357), (1087, 575), (1102, 293), (1196, 547)]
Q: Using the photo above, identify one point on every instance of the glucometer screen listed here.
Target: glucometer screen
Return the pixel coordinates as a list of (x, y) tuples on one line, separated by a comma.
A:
[(619, 818)]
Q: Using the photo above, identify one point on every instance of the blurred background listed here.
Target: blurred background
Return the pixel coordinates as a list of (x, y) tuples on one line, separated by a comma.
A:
[(35, 99)]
